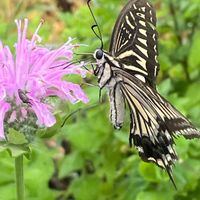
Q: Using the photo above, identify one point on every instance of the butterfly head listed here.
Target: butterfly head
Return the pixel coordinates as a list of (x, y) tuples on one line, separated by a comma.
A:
[(100, 60), (103, 70), (99, 54)]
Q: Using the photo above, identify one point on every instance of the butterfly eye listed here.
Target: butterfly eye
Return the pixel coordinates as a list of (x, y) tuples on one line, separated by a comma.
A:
[(98, 54)]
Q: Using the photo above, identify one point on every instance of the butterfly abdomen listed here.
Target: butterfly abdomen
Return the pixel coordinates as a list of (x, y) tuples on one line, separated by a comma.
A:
[(117, 105)]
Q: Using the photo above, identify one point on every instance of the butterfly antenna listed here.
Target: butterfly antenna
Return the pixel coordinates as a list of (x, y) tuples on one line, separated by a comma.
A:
[(95, 25)]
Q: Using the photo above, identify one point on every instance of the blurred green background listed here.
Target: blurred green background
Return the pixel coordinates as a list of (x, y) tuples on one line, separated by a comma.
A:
[(87, 159)]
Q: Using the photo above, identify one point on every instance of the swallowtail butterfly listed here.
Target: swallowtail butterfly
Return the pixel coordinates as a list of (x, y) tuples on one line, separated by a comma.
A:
[(129, 70)]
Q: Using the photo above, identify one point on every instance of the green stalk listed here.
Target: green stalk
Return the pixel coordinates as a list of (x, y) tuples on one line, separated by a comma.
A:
[(19, 177)]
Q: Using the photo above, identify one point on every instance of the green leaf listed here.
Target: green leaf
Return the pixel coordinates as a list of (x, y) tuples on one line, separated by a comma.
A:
[(38, 172), (88, 137), (15, 150), (165, 87), (15, 137), (155, 195), (70, 163), (86, 187), (152, 173), (194, 58)]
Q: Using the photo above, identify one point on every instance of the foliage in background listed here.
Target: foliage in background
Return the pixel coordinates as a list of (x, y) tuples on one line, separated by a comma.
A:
[(88, 159)]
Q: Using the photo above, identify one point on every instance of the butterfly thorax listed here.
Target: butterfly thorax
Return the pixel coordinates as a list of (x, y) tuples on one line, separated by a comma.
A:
[(105, 69)]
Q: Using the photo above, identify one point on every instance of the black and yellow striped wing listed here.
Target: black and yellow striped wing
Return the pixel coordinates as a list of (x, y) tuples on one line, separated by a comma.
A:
[(134, 40), (154, 122)]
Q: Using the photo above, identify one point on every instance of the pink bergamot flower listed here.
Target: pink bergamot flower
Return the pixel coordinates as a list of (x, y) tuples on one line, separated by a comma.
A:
[(32, 75)]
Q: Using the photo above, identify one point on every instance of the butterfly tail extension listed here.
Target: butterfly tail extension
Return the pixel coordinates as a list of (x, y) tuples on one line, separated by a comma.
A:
[(169, 172)]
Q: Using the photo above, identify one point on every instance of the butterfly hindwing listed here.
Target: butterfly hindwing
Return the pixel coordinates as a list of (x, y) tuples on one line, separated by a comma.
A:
[(154, 121), (134, 39)]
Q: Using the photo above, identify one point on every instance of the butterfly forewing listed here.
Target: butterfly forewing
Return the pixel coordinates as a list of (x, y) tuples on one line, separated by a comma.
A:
[(134, 40)]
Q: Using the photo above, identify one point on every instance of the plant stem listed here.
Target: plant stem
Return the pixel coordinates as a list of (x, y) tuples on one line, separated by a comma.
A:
[(19, 177)]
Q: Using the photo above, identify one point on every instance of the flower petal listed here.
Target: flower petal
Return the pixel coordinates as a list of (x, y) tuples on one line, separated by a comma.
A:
[(38, 72), (67, 90), (75, 90), (4, 107), (45, 117)]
